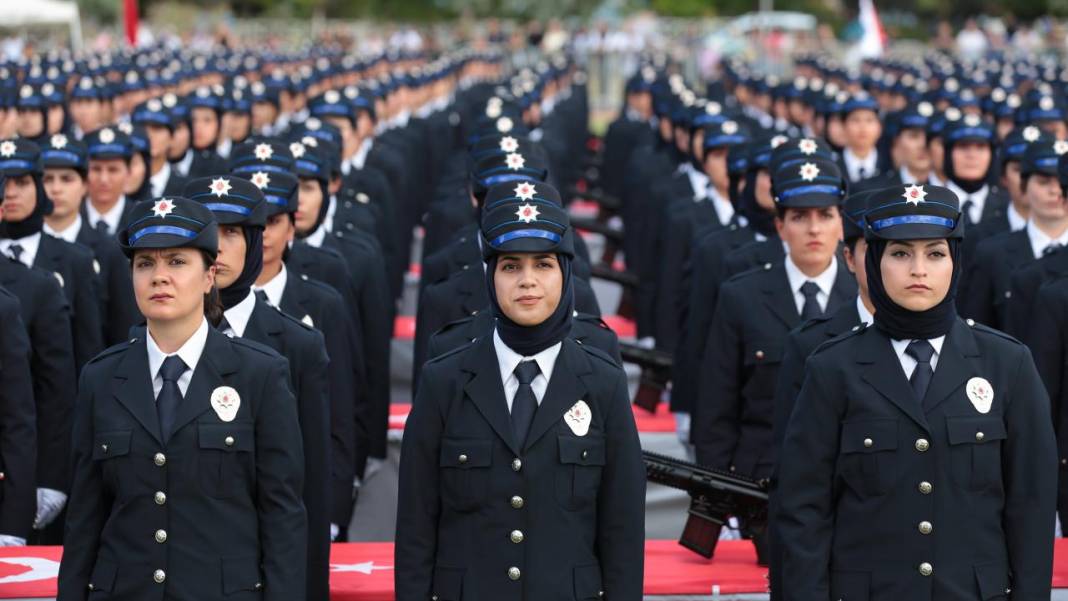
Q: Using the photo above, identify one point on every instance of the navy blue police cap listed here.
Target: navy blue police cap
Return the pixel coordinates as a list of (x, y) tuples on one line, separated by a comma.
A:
[(170, 222), (233, 200), (525, 216), (913, 212)]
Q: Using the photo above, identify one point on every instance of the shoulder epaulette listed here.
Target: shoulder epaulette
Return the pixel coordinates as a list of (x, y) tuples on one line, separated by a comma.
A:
[(451, 352), (978, 327), (598, 353), (854, 331), (751, 271), (111, 350)]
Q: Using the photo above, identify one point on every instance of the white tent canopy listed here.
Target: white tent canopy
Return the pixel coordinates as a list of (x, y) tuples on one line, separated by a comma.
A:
[(42, 12)]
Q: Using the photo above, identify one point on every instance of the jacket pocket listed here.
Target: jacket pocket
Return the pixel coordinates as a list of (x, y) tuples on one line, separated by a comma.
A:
[(241, 574), (588, 582), (225, 458), (976, 450), (850, 586), (102, 579), (761, 360), (868, 455), (109, 451), (578, 476), (465, 472), (448, 584), (993, 580)]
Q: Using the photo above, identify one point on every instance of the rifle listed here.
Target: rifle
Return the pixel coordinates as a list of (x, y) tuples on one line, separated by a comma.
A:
[(611, 234), (716, 497), (656, 373), (606, 202), (627, 305)]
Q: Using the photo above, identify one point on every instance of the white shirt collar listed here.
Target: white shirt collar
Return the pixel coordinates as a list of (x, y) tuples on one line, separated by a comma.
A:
[(29, 245), (316, 238), (186, 162), (824, 280), (854, 164), (111, 218), (159, 181), (331, 210), (724, 208), (698, 181), (360, 156), (934, 180), (275, 287), (1039, 239), (238, 315), (70, 234), (865, 316), (507, 360), (906, 176), (907, 362), (978, 198), (1017, 221), (189, 352)]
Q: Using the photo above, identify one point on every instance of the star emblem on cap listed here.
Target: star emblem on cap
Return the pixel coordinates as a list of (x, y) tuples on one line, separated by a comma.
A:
[(313, 123), (514, 161), (504, 125), (1031, 133), (162, 208), (730, 128), (778, 141), (914, 195), (48, 89), (525, 191), (925, 109), (1045, 103), (809, 171), (204, 92), (107, 136), (972, 120), (509, 144), (807, 146), (309, 142), (713, 109), (260, 179), (493, 110), (264, 152), (7, 148), (953, 114), (85, 83), (332, 97), (1060, 147), (154, 105), (58, 141), (220, 187), (26, 91), (297, 149), (125, 127), (527, 213)]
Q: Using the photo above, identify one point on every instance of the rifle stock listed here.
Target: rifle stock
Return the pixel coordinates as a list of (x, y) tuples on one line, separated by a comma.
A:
[(656, 373)]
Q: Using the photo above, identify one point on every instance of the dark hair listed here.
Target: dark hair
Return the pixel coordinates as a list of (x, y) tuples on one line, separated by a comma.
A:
[(851, 243), (213, 307)]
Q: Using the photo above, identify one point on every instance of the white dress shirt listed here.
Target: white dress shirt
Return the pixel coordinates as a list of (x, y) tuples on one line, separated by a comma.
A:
[(906, 176), (1017, 221), (158, 182), (908, 363), (331, 210), (29, 245), (698, 181), (854, 165), (507, 360), (724, 208), (865, 315), (978, 198), (70, 234), (111, 218), (190, 353), (316, 238), (275, 287), (360, 157), (1039, 239), (824, 280), (183, 165), (238, 316)]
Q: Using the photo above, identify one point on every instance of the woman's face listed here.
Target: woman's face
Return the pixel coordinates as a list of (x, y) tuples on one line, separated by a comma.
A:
[(66, 188), (20, 198), (308, 205), (138, 171), (31, 123), (231, 260), (917, 273), (528, 286), (762, 191), (170, 283), (205, 127)]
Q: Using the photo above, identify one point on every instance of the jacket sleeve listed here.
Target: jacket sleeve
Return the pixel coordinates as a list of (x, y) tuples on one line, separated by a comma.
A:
[(805, 491), (419, 496), (716, 412), (791, 376), (621, 502), (279, 482), (88, 330), (18, 428), (1029, 465), (55, 379), (344, 428)]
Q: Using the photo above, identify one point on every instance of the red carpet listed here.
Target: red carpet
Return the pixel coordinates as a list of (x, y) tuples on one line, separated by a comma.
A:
[(661, 422), (364, 571), (404, 326)]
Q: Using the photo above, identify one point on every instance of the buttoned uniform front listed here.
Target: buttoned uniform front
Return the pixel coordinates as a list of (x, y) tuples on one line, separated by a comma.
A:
[(887, 497), (986, 285), (212, 512), (559, 519)]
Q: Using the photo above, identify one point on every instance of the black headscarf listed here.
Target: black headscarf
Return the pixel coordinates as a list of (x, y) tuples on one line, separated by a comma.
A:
[(531, 340), (898, 322), (238, 291)]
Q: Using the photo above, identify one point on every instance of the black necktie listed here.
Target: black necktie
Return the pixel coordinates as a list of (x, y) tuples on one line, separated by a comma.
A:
[(261, 295), (16, 252), (170, 396), (921, 351), (811, 308), (1049, 250), (525, 403), (861, 173), (102, 227), (966, 210)]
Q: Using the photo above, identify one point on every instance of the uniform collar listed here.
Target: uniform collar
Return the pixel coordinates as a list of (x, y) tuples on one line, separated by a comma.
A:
[(360, 156), (507, 359), (238, 315), (189, 352), (275, 288), (70, 234), (111, 218), (30, 244), (854, 164), (978, 199), (1017, 221), (1039, 240), (723, 207), (698, 181), (316, 238), (865, 315), (824, 280), (160, 179), (901, 345), (186, 162)]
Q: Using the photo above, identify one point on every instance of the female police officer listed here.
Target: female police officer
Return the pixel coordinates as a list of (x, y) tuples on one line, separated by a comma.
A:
[(186, 450), (919, 462), (520, 475)]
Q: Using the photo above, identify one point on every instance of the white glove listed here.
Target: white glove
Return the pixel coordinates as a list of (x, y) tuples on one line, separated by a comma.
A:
[(6, 540), (334, 531), (374, 464), (682, 427), (49, 503)]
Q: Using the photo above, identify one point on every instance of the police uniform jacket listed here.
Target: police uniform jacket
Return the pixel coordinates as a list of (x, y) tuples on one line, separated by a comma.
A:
[(73, 266), (119, 310), (559, 519), (732, 422), (212, 513), (985, 286), (1024, 288), (887, 497), (18, 429)]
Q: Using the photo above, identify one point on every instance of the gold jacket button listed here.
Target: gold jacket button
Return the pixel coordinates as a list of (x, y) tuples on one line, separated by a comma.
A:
[(517, 502), (922, 445), (516, 536), (160, 498), (514, 573), (926, 569), (517, 465), (229, 441), (462, 458), (979, 436), (161, 536), (925, 488), (926, 527), (868, 443), (159, 459), (159, 576)]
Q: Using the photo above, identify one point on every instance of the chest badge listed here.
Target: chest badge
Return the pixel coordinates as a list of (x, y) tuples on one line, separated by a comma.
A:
[(578, 418), (225, 401), (981, 394)]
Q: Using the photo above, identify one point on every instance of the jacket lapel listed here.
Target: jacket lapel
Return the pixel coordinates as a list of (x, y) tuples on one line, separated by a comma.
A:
[(954, 367), (216, 361), (778, 296), (881, 369), (132, 387), (564, 390), (844, 290), (487, 391)]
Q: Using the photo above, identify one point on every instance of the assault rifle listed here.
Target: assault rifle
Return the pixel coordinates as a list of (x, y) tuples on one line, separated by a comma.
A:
[(656, 373)]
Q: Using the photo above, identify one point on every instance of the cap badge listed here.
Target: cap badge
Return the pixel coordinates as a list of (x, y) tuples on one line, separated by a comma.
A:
[(260, 179), (914, 195), (807, 146), (162, 208), (107, 136), (730, 128), (297, 149), (1031, 133), (527, 213), (504, 125), (514, 161), (58, 141), (809, 171), (7, 148), (509, 144), (525, 191), (264, 152), (220, 187)]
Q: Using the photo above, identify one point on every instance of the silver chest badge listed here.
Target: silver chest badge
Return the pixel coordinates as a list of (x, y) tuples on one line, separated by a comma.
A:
[(225, 401), (980, 393), (578, 418)]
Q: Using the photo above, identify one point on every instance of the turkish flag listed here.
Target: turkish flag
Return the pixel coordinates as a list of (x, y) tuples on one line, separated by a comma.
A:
[(130, 14)]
